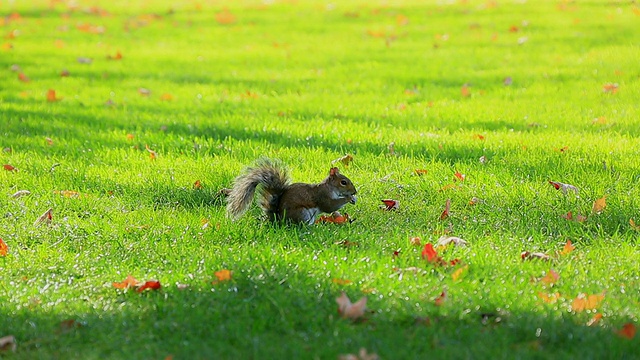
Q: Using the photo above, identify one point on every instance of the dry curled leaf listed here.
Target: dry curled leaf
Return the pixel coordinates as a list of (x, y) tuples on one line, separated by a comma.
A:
[(445, 241), (447, 208), (150, 285), (129, 282), (44, 218), (565, 188), (349, 310), (8, 343), (345, 160), (526, 255), (21, 193)]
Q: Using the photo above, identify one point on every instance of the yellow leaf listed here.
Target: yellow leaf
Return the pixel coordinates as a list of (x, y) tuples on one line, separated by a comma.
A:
[(458, 273), (223, 275)]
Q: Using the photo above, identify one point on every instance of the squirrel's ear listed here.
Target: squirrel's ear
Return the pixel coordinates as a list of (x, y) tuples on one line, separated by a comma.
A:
[(334, 171)]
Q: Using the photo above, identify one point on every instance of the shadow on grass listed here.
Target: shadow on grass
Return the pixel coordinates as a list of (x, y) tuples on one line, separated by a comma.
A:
[(273, 311)]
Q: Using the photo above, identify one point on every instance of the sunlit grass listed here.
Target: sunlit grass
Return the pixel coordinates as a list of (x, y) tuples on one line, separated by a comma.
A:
[(308, 83)]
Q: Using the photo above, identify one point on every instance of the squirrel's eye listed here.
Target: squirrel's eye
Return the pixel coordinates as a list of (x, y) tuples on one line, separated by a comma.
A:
[(343, 182)]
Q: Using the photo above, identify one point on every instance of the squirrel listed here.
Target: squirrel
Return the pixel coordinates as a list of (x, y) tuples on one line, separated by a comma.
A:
[(283, 201)]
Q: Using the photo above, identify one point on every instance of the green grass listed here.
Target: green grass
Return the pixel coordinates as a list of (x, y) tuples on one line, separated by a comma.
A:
[(308, 82)]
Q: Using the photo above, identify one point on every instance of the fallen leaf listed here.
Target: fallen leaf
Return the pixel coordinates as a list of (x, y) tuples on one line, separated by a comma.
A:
[(465, 91), (568, 248), (474, 200), (117, 56), (166, 97), (429, 253), (335, 218), (610, 88), (551, 278), (459, 176), (8, 343), (415, 241), (439, 301), (150, 284), (197, 185), (447, 207), (633, 225), (45, 218), (579, 218), (24, 78), (421, 171), (599, 205), (628, 331), (144, 91), (345, 160), (129, 282), (595, 319), (351, 311), (48, 140), (586, 302), (67, 193), (565, 188), (390, 204), (152, 154), (445, 241), (51, 96), (526, 255), (9, 167), (4, 249), (550, 298), (478, 137), (341, 281), (130, 137), (84, 60), (362, 355), (68, 325), (225, 18), (459, 272), (222, 275)]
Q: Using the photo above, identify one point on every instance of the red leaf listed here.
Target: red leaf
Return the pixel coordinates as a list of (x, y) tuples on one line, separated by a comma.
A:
[(390, 204), (447, 207), (429, 253), (460, 176), (628, 331), (23, 77), (151, 284), (8, 167), (441, 298)]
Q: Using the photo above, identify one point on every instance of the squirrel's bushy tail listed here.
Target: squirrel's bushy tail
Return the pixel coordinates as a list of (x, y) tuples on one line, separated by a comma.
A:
[(273, 180)]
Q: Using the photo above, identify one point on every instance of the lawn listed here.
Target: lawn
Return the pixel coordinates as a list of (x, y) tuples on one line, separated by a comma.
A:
[(126, 119)]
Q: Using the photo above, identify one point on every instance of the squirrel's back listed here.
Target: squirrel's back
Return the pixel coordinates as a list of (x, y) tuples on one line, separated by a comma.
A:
[(273, 179)]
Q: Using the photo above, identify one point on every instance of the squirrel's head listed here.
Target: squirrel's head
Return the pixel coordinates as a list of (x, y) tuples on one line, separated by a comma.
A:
[(344, 186)]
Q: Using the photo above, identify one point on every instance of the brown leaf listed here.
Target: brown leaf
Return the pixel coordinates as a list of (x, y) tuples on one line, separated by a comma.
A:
[(8, 343), (345, 160), (526, 255), (9, 167), (445, 241), (349, 310), (447, 207), (599, 205)]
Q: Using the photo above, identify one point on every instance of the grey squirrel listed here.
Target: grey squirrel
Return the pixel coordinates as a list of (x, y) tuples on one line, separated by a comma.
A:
[(281, 200)]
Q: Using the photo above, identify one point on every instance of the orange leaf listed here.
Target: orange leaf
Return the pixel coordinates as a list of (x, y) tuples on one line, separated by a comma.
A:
[(130, 137), (610, 88), (9, 167), (459, 176), (421, 171), (447, 207), (151, 285), (633, 225), (464, 91), (599, 205), (223, 275), (568, 247), (628, 331), (166, 97), (551, 298), (586, 302), (225, 18), (335, 218), (130, 281), (23, 77), (595, 319), (117, 56), (551, 277), (51, 96), (197, 185), (341, 281), (4, 249)]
